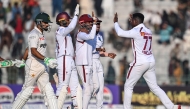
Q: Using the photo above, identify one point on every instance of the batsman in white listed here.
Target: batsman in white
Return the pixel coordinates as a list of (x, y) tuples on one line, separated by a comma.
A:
[(36, 66), (83, 52), (144, 62), (67, 72), (98, 74)]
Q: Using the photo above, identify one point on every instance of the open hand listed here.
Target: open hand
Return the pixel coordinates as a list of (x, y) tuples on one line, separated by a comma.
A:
[(115, 18), (77, 10), (94, 17), (130, 17)]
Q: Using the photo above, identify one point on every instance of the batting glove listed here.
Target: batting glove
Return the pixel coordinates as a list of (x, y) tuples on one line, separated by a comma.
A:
[(52, 63), (19, 63), (77, 10)]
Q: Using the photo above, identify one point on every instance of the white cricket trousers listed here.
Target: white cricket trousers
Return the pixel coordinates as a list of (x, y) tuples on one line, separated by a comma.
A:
[(66, 66), (146, 70), (85, 73), (98, 70), (35, 72)]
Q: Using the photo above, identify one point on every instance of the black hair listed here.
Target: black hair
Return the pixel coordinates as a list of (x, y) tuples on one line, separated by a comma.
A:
[(139, 16)]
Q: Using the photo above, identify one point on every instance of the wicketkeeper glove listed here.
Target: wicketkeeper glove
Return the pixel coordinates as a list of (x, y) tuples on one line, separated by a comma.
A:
[(52, 63), (77, 10)]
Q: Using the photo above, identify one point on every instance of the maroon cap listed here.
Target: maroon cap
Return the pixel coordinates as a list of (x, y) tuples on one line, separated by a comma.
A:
[(85, 18), (62, 16)]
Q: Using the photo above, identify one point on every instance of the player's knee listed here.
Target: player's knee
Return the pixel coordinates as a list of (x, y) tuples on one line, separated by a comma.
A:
[(64, 89), (49, 92), (87, 90), (154, 88), (27, 92), (128, 86), (79, 89)]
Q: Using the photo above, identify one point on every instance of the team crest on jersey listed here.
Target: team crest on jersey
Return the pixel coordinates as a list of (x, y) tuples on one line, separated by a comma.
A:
[(99, 38)]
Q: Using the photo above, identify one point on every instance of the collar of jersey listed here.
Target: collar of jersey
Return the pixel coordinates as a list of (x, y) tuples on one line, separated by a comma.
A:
[(140, 25), (38, 30)]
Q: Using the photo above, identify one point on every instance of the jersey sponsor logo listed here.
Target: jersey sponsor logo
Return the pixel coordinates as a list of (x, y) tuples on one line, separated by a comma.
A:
[(43, 45), (145, 34), (36, 96), (6, 94), (42, 38), (32, 37)]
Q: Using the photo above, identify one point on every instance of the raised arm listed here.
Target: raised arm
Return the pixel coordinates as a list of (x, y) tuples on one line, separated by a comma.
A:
[(71, 26), (89, 36), (120, 32), (128, 34)]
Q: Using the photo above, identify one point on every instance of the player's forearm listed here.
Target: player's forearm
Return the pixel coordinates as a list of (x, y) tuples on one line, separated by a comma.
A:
[(25, 54), (121, 33), (92, 32), (37, 54), (73, 23), (103, 54), (89, 36), (71, 26)]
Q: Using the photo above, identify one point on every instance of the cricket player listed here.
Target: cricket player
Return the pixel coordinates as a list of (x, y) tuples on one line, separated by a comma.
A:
[(67, 72), (36, 66), (144, 62), (98, 74), (83, 52)]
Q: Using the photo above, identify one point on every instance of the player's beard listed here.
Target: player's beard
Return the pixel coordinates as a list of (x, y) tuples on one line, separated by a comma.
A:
[(88, 27), (48, 28), (64, 23)]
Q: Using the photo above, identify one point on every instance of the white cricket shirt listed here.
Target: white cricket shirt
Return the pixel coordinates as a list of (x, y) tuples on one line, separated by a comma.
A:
[(36, 40), (84, 48), (141, 38), (97, 43), (64, 45)]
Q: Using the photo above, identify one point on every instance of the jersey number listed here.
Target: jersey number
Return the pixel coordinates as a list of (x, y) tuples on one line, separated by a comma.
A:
[(145, 45)]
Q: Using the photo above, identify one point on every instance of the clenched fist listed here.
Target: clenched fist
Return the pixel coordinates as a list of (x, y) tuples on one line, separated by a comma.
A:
[(111, 55)]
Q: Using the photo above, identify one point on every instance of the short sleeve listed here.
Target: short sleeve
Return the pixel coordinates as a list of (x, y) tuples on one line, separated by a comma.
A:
[(33, 41)]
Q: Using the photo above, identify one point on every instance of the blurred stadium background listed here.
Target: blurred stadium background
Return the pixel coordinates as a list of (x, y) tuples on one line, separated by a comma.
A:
[(169, 21)]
